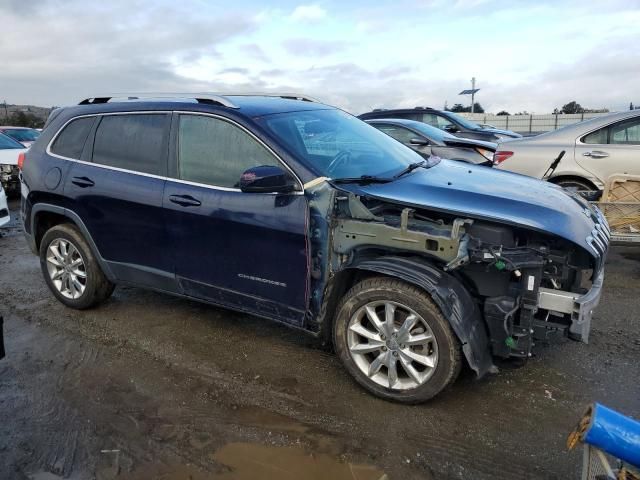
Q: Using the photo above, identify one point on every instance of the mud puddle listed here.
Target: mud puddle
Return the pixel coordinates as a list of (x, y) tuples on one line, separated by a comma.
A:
[(249, 461)]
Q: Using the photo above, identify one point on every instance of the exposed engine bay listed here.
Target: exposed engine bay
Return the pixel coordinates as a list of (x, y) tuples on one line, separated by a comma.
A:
[(524, 283)]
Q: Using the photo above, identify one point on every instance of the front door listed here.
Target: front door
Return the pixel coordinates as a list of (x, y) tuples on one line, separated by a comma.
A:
[(244, 250)]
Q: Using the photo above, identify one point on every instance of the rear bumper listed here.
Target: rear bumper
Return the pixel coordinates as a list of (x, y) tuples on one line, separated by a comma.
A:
[(580, 307)]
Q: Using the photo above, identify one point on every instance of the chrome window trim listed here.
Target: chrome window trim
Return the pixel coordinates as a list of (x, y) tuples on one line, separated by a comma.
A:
[(607, 125), (160, 177)]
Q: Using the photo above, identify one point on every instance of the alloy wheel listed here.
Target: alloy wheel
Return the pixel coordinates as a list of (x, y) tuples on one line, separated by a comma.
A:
[(66, 268), (392, 345)]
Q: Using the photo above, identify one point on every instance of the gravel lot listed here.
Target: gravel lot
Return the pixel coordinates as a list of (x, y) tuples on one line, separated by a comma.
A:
[(152, 386)]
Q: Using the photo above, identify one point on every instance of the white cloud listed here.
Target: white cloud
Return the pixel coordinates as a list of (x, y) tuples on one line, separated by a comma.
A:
[(308, 13)]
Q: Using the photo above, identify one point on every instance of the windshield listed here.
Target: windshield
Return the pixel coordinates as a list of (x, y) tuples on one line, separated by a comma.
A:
[(7, 143), (338, 145), (22, 135)]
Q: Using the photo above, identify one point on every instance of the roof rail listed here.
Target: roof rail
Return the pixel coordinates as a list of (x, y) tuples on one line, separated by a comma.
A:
[(125, 97), (290, 96)]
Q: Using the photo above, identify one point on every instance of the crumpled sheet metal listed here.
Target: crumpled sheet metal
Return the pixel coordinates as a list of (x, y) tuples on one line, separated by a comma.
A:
[(609, 431)]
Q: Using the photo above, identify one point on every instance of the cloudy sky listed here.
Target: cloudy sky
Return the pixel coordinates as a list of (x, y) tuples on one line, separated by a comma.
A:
[(358, 55)]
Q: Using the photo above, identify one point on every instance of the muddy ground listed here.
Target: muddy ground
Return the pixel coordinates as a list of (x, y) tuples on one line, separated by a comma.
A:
[(152, 386)]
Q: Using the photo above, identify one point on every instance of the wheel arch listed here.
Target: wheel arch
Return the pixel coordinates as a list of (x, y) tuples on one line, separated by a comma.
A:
[(44, 216), (451, 297), (559, 178)]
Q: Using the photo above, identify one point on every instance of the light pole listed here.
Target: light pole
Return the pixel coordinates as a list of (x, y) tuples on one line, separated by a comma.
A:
[(471, 92)]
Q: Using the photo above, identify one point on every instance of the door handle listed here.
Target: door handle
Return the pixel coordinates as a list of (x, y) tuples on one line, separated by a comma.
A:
[(83, 182), (185, 200), (595, 154)]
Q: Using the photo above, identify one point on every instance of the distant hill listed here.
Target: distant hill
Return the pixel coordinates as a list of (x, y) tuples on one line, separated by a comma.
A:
[(23, 115)]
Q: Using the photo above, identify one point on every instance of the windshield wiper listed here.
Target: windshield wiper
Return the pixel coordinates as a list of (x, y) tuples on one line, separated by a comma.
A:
[(362, 179), (410, 168)]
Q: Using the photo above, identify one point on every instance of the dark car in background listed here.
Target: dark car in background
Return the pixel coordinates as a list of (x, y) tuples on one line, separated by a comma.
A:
[(428, 140), (25, 135), (444, 120), (300, 213)]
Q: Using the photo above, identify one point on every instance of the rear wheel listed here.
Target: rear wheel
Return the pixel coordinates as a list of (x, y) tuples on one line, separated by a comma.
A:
[(71, 271), (575, 184), (395, 342)]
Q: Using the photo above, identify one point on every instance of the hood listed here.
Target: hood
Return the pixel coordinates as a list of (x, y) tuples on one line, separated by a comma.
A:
[(502, 132), (467, 142), (485, 193), (9, 156)]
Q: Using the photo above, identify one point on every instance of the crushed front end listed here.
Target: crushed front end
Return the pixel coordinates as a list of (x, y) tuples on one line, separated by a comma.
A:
[(535, 288), (529, 286)]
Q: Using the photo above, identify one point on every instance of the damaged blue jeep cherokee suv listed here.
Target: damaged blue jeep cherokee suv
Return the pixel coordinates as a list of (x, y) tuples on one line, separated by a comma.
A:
[(285, 208)]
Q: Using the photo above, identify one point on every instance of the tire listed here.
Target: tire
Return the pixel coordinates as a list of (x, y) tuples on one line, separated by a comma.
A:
[(79, 263), (362, 355), (576, 184)]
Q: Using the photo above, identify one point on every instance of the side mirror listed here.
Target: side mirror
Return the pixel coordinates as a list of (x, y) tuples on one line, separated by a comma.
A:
[(451, 128), (267, 179), (419, 141)]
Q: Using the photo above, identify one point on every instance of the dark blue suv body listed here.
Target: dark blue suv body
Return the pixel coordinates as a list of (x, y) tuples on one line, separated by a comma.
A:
[(298, 212)]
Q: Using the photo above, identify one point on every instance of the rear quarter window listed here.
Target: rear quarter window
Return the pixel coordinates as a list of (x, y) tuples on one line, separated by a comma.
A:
[(70, 141), (135, 142)]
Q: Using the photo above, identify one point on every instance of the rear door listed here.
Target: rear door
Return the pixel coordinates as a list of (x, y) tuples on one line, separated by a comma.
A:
[(611, 150), (118, 191), (244, 250)]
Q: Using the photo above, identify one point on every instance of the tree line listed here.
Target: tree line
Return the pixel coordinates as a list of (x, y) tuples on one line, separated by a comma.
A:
[(23, 119)]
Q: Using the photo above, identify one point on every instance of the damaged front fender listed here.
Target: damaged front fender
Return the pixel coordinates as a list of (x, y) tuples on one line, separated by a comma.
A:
[(450, 296)]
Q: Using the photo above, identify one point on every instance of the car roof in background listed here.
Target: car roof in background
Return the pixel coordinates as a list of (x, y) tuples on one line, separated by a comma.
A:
[(586, 126), (9, 127), (7, 139)]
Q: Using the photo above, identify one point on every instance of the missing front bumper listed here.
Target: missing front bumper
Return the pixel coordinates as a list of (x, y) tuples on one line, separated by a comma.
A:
[(580, 307)]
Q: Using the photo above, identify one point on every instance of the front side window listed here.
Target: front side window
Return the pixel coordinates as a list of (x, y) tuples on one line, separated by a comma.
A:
[(338, 145), (437, 121), (627, 133), (215, 152), (70, 141), (135, 142), (401, 134)]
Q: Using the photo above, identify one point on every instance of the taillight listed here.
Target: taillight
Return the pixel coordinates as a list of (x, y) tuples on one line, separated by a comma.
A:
[(21, 158), (501, 156)]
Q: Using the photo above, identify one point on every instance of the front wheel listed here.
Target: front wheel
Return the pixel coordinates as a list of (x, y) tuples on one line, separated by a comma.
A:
[(395, 342), (71, 270)]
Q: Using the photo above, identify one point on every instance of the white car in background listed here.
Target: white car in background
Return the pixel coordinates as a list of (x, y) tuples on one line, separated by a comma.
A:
[(25, 135), (10, 150), (594, 150), (4, 208)]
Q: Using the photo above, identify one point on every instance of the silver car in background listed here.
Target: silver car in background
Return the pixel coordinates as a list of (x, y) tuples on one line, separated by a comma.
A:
[(594, 150), (428, 140)]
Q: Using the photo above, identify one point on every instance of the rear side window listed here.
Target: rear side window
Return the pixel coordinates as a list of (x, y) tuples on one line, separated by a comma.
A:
[(70, 141), (599, 137), (215, 152), (133, 142)]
